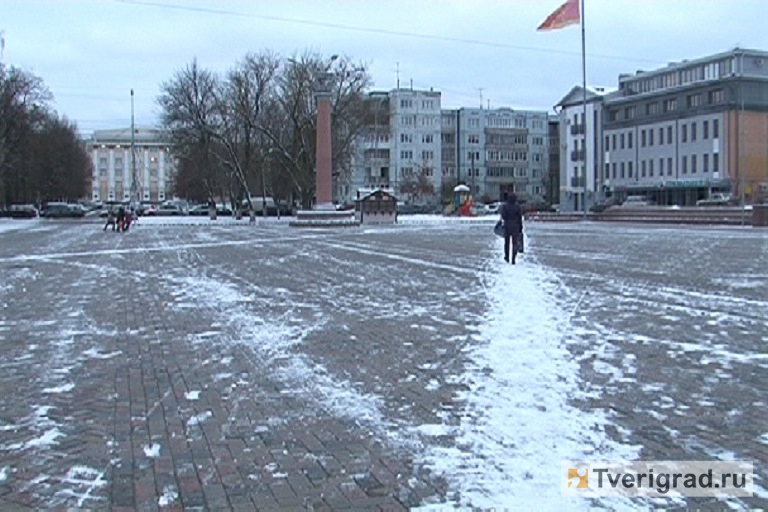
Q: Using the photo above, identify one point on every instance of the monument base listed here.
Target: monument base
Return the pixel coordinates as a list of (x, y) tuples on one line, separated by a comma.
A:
[(324, 218)]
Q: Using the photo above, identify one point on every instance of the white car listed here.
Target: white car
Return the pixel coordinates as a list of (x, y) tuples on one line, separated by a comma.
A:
[(715, 199), (636, 201)]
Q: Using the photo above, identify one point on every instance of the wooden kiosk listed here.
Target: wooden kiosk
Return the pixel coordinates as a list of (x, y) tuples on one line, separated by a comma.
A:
[(376, 207)]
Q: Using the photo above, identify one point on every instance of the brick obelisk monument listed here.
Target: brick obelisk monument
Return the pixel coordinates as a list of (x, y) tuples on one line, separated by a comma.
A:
[(323, 212), (323, 152)]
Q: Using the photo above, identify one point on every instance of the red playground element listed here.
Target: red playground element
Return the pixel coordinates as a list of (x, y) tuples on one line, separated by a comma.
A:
[(465, 210)]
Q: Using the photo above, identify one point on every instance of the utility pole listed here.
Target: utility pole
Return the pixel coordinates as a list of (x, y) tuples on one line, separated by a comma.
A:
[(134, 185)]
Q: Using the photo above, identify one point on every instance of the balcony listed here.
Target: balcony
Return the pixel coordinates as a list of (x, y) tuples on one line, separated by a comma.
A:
[(578, 156)]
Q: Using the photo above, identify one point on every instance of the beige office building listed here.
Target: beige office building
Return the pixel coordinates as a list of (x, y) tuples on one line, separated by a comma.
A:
[(114, 164)]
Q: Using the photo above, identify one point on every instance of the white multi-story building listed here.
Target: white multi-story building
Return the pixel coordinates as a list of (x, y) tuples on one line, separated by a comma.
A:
[(400, 146), (582, 181), (497, 151), (413, 146), (114, 164)]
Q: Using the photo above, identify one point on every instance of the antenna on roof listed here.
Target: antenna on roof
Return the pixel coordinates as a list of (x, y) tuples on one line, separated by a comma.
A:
[(397, 71), (2, 44)]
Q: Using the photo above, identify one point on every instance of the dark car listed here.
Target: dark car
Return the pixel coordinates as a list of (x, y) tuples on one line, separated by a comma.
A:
[(62, 210), (601, 206), (20, 211)]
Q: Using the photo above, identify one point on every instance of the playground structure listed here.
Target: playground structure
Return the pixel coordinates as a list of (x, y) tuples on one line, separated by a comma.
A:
[(462, 201)]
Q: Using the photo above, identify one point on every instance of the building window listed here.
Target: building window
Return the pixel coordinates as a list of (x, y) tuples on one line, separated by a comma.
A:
[(661, 136), (629, 113), (613, 170), (607, 143), (715, 96), (406, 138), (684, 165), (693, 131), (642, 138), (705, 130), (623, 170), (629, 140), (473, 139), (661, 167), (715, 162), (650, 136), (621, 140), (642, 168), (670, 105), (650, 168), (427, 138), (684, 133), (694, 100), (406, 103), (693, 164), (705, 162), (613, 115), (715, 128), (651, 108), (629, 169), (669, 134), (669, 166)]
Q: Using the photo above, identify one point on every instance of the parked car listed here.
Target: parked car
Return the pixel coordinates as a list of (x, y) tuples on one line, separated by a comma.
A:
[(62, 210), (20, 211), (493, 208), (603, 205), (716, 199), (167, 209), (637, 201)]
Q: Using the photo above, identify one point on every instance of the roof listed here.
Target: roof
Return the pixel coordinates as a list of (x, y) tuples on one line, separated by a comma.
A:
[(124, 135), (377, 194), (594, 93)]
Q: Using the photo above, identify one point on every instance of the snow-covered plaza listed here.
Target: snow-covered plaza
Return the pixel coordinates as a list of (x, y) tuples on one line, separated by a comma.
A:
[(229, 365)]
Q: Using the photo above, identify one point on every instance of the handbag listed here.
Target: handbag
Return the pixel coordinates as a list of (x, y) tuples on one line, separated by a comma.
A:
[(498, 229), (521, 243)]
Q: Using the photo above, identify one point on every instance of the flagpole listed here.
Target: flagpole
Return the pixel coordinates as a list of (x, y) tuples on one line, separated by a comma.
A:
[(584, 106)]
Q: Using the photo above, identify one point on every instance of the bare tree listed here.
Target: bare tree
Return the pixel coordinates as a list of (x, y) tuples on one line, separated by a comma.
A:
[(23, 106), (293, 124), (259, 123), (41, 156), (191, 115), (249, 86)]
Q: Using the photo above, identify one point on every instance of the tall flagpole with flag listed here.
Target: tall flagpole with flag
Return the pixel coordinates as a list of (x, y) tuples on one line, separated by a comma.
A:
[(570, 13)]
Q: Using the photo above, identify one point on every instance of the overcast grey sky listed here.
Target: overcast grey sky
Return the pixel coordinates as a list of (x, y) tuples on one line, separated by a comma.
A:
[(90, 53)]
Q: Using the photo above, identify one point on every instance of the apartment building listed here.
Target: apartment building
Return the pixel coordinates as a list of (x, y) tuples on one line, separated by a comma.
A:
[(496, 150), (399, 147), (114, 163), (413, 146)]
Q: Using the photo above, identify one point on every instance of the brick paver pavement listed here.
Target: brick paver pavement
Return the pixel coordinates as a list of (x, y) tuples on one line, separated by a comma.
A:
[(260, 367)]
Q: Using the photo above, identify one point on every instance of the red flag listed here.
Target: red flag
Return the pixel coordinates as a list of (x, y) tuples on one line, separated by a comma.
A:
[(566, 14)]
